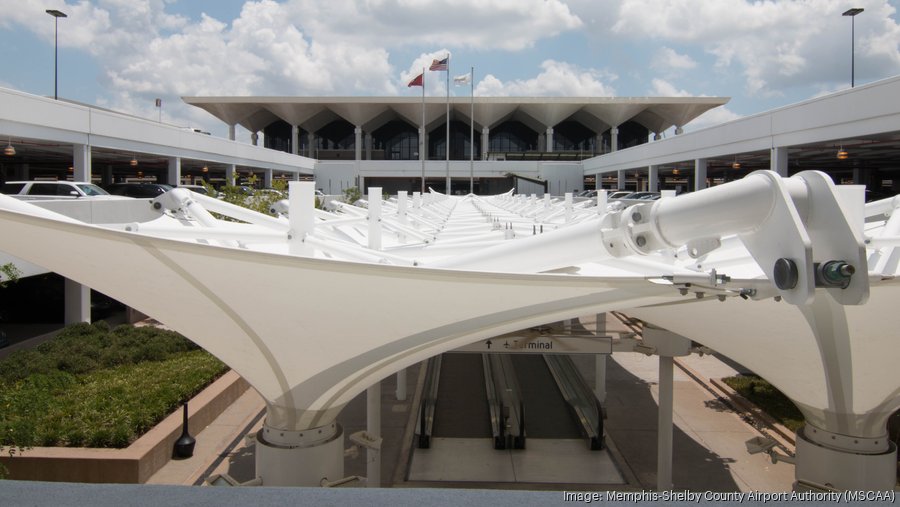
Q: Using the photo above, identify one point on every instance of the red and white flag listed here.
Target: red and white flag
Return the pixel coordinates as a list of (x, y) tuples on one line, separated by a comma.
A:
[(417, 81)]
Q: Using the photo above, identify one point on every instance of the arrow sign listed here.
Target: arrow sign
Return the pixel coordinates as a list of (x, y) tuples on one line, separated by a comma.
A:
[(545, 345)]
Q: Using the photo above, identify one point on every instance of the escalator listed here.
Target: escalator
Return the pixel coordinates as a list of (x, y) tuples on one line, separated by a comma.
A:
[(498, 396)]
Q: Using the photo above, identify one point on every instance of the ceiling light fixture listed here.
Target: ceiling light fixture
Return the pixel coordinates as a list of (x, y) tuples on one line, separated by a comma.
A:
[(133, 161), (205, 169), (675, 172), (735, 164), (842, 153), (10, 150)]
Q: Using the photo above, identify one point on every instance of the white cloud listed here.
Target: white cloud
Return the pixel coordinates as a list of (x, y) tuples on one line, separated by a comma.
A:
[(145, 53), (294, 47), (715, 116), (667, 59), (504, 24), (663, 88), (556, 78), (435, 82), (774, 45)]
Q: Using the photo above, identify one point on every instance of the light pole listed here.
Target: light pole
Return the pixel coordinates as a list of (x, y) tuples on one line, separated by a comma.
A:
[(852, 13), (56, 15)]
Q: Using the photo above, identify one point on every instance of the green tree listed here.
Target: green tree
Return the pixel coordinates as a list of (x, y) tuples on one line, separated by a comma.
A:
[(9, 273), (351, 195)]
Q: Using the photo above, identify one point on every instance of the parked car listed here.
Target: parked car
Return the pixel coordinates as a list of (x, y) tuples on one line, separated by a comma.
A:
[(642, 196), (56, 189), (618, 194), (141, 190)]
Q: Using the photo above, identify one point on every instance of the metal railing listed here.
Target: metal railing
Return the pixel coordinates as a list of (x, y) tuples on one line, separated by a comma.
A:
[(504, 401), (579, 396), (425, 426)]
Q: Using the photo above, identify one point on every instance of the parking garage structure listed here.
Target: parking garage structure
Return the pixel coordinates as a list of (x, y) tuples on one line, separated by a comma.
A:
[(853, 135), (61, 140)]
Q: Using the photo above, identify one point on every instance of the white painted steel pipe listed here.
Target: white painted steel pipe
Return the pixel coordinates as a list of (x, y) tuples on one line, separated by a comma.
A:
[(734, 208), (234, 211), (185, 199), (882, 206), (375, 218)]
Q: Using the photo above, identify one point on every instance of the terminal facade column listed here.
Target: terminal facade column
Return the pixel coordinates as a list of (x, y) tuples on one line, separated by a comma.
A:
[(357, 143), (295, 139), (174, 172), (653, 177), (549, 139), (77, 302), (620, 179), (107, 175), (614, 139), (81, 162), (254, 138), (779, 160), (267, 178), (485, 142), (22, 172), (230, 171), (699, 174), (231, 135)]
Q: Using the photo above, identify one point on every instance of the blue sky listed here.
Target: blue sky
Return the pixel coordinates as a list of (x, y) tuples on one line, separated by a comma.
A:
[(122, 54)]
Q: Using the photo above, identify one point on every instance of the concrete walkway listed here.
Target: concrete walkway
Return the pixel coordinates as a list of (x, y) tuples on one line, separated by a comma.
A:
[(709, 451), (222, 448), (708, 439)]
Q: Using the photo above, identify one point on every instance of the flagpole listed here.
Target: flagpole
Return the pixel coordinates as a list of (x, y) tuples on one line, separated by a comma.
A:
[(422, 146), (472, 136), (447, 147)]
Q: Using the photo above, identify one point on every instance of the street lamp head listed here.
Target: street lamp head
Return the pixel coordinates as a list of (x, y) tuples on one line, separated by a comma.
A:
[(56, 14), (853, 12)]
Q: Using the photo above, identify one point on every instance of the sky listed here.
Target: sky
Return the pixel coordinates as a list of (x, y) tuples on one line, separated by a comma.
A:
[(124, 54)]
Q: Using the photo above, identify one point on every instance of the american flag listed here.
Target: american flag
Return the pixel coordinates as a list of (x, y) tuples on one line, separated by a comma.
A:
[(439, 64)]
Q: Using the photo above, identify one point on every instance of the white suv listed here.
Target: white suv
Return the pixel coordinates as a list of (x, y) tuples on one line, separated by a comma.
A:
[(54, 189)]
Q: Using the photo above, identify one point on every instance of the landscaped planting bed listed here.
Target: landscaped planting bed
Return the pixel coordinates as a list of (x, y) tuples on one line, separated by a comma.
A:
[(93, 386), (767, 398)]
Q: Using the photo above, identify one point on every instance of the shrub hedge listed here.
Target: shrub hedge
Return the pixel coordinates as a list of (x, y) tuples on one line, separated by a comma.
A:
[(93, 386)]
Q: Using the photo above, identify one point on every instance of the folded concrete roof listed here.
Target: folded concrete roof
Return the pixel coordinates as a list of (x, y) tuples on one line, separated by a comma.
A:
[(539, 113)]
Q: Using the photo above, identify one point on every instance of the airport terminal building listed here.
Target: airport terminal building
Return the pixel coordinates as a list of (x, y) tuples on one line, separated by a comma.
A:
[(366, 141)]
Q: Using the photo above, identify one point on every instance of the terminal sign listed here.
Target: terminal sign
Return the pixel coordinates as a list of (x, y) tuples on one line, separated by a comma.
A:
[(542, 345)]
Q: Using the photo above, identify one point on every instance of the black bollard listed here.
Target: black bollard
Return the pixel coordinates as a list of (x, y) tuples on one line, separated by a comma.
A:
[(184, 446)]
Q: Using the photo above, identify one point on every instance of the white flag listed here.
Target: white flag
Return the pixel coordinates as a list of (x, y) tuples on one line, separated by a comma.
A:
[(461, 80)]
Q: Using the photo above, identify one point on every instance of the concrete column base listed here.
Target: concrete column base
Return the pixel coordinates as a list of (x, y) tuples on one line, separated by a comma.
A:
[(300, 458), (844, 469)]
